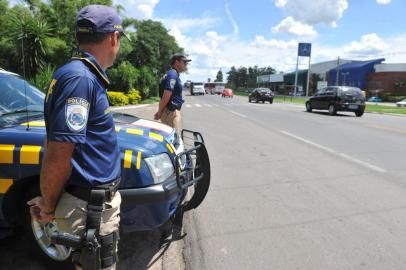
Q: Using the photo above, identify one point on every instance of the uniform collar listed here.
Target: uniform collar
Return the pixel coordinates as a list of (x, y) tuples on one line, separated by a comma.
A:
[(91, 61)]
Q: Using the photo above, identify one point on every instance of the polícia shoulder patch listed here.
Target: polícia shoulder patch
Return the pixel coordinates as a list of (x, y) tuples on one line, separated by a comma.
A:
[(172, 83), (76, 113)]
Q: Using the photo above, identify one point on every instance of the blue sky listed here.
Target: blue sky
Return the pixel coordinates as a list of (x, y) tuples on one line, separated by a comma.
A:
[(224, 33)]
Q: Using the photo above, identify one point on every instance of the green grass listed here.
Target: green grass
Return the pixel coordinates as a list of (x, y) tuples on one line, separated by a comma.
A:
[(150, 100), (295, 100), (241, 93), (385, 109)]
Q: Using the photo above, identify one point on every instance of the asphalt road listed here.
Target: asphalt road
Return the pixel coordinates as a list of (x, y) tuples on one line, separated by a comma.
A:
[(297, 190)]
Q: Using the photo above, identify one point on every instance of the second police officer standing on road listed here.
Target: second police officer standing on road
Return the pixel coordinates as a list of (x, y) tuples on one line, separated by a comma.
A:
[(171, 93), (81, 166)]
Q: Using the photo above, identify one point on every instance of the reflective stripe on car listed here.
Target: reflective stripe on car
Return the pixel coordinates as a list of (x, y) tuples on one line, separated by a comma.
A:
[(6, 153), (29, 154), (5, 184)]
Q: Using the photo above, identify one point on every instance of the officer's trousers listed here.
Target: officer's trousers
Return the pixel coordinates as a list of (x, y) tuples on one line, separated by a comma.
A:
[(172, 118), (71, 215)]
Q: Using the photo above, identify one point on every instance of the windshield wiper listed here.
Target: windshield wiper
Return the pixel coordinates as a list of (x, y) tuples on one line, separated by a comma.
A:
[(20, 111)]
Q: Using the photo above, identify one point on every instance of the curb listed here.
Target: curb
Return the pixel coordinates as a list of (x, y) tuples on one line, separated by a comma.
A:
[(127, 107)]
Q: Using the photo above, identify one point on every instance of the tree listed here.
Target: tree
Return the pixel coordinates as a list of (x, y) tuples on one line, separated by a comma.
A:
[(47, 29), (219, 76)]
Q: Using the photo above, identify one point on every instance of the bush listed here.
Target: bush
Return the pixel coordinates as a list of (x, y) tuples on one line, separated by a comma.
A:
[(396, 98), (43, 78), (389, 97), (123, 77), (134, 96), (117, 98)]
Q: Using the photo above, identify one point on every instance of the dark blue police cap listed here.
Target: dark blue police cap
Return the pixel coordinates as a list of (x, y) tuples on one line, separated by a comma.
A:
[(181, 57), (98, 19)]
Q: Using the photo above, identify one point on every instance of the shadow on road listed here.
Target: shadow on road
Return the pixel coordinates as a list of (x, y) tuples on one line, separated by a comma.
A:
[(338, 114), (138, 250)]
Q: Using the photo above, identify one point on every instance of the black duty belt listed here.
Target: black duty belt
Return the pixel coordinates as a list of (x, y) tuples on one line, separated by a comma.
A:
[(84, 193)]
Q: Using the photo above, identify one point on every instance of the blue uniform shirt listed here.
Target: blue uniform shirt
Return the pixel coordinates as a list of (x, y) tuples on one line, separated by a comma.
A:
[(76, 111), (174, 84)]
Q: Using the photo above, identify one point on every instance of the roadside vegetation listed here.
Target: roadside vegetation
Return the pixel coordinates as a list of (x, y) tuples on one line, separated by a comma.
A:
[(42, 32)]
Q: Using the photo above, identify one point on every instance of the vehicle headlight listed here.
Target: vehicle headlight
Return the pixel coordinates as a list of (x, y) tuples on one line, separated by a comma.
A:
[(160, 166)]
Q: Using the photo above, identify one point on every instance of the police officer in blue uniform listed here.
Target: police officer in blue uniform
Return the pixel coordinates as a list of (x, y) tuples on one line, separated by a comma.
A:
[(171, 88), (81, 165)]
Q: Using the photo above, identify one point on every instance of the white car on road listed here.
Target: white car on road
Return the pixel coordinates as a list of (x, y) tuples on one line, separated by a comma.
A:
[(401, 103)]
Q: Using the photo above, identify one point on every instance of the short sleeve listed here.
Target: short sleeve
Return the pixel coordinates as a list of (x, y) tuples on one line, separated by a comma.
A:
[(69, 114), (171, 78)]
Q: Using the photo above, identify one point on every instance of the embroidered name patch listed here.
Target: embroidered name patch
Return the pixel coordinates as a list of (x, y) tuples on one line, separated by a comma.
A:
[(77, 110)]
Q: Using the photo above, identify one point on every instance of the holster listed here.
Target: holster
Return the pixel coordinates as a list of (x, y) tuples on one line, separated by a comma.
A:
[(92, 251), (99, 251), (172, 106)]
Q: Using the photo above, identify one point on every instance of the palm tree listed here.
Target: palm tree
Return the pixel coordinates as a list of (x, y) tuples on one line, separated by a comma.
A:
[(29, 34)]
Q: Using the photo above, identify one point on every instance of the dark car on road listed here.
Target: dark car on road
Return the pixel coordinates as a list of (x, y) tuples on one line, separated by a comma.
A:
[(338, 98), (261, 94)]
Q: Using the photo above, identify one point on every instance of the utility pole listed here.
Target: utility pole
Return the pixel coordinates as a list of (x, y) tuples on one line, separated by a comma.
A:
[(297, 67), (308, 77), (338, 70)]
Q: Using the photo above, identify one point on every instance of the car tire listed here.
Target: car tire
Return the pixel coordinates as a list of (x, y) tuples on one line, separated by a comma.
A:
[(271, 101), (332, 109), (249, 100), (308, 107), (359, 113), (32, 232)]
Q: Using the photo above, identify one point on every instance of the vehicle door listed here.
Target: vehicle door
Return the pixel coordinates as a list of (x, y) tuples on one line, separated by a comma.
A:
[(316, 99), (254, 95), (329, 96)]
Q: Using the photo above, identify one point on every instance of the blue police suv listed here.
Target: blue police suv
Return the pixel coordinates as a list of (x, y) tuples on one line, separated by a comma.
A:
[(158, 168)]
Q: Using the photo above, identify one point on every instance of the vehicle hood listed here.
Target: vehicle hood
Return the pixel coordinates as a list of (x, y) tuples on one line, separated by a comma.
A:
[(137, 134)]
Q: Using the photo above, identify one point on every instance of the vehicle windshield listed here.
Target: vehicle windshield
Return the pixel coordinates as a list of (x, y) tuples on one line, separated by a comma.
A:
[(198, 84), (18, 99)]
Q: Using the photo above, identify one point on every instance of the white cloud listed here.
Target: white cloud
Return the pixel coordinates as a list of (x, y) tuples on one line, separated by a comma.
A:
[(138, 9), (326, 12), (213, 51), (231, 18), (369, 45), (188, 24), (383, 2), (293, 27)]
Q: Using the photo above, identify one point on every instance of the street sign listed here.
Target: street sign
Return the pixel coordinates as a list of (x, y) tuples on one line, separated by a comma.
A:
[(305, 49)]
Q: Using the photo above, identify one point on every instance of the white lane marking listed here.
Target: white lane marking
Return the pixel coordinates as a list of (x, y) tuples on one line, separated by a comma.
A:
[(198, 105), (188, 106), (342, 155), (236, 113), (208, 105)]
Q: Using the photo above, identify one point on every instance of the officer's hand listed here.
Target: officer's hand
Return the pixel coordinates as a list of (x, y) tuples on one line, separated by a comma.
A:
[(157, 116), (39, 212)]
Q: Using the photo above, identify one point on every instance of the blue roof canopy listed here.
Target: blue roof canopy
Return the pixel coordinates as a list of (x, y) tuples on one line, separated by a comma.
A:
[(354, 73)]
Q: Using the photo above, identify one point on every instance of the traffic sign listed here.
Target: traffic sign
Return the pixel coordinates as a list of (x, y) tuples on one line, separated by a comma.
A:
[(305, 49)]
